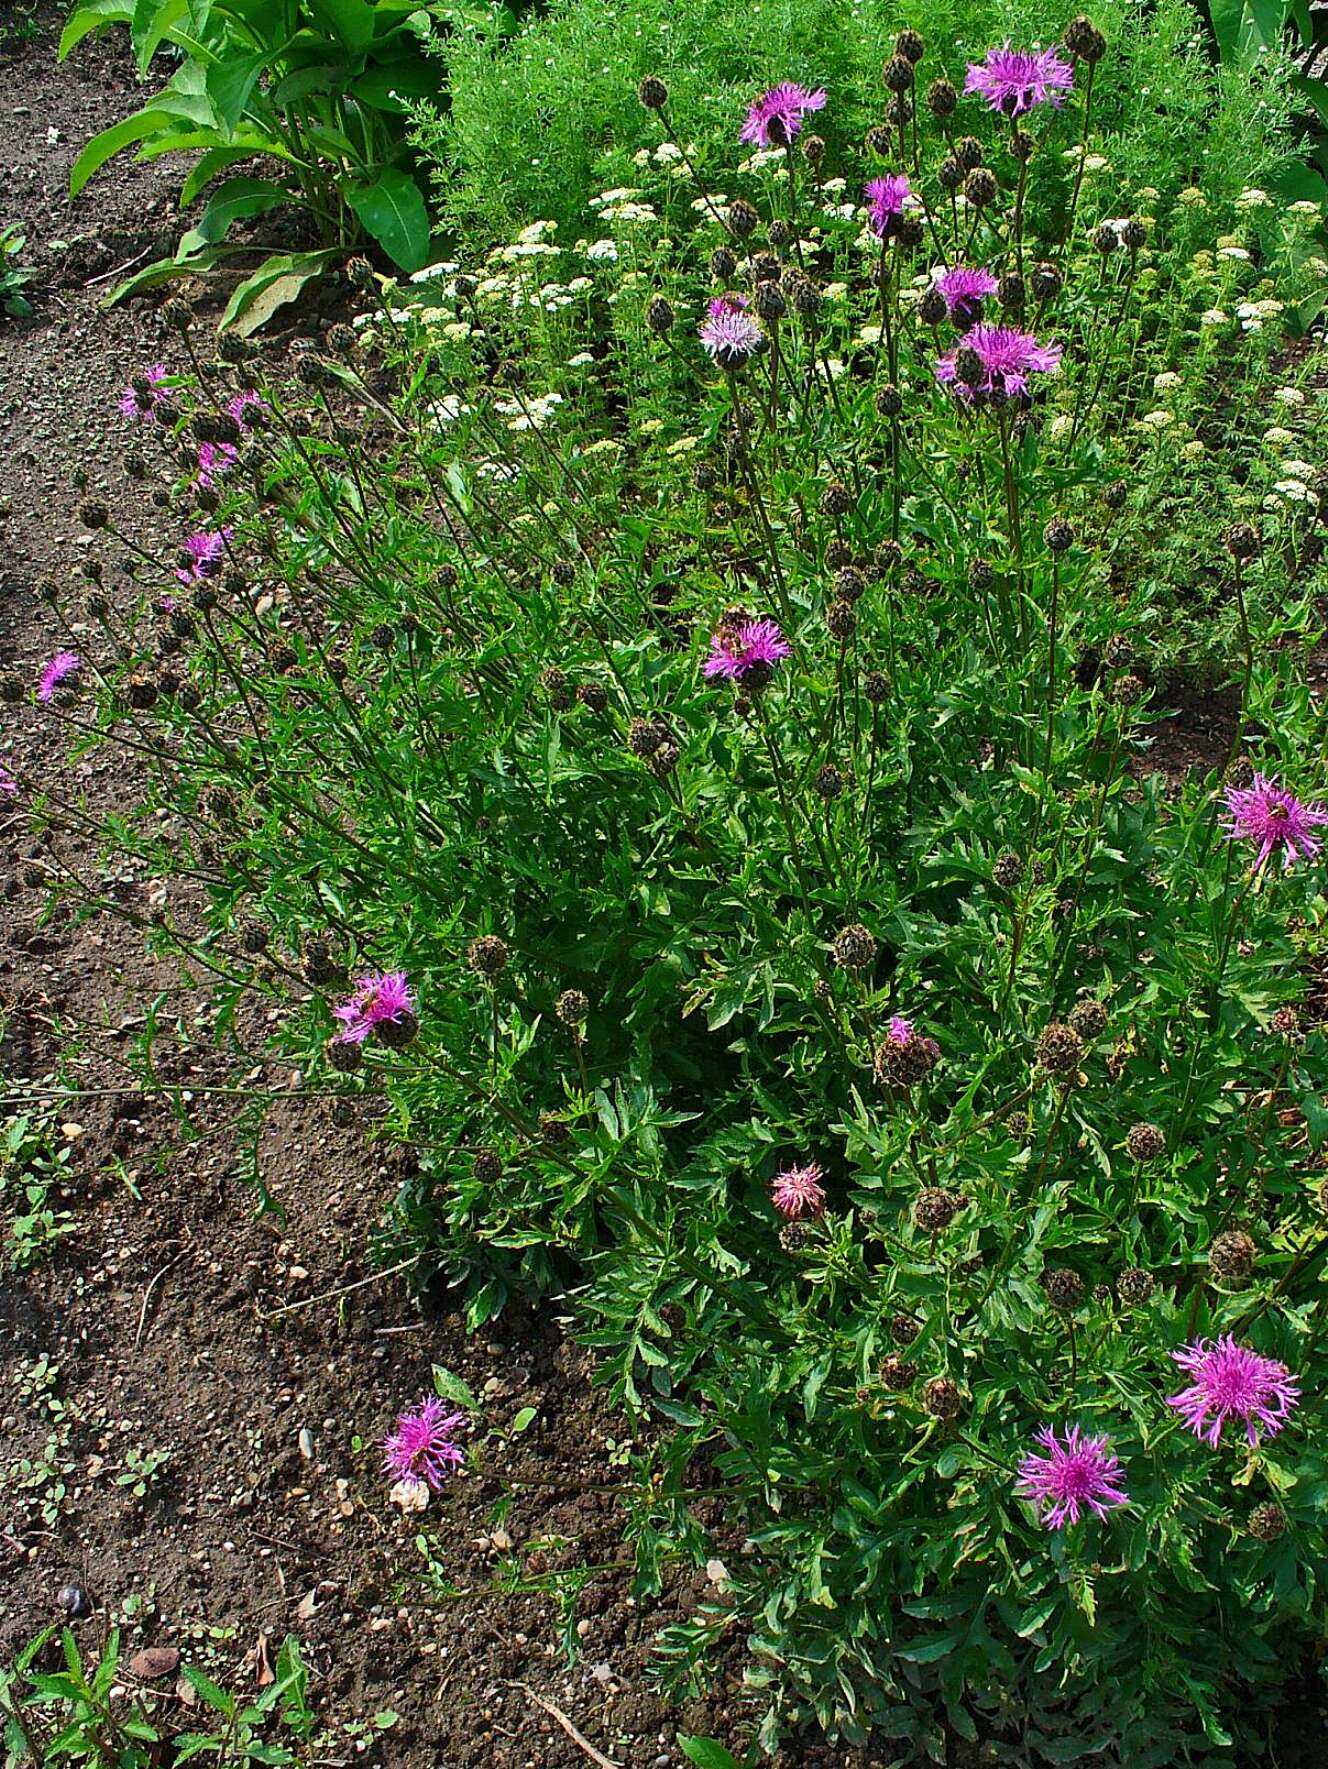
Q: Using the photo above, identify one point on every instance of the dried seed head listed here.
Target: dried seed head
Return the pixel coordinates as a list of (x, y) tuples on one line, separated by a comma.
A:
[(897, 1373), (1145, 1142), (487, 956), (653, 93), (1088, 1017), (1232, 1255), (942, 1398), (1127, 691), (344, 1058), (644, 737), (1285, 1022), (1060, 1049), (1064, 1288), (1267, 1523), (572, 1007), (1134, 1287), (488, 1166), (853, 947), (1008, 871), (935, 1209)]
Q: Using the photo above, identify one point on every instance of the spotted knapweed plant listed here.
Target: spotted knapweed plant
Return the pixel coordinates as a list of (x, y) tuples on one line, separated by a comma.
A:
[(673, 720)]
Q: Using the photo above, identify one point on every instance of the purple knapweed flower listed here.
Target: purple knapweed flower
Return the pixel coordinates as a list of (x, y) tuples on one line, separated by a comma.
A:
[(214, 459), (248, 408), (1014, 80), (421, 1449), (1232, 1382), (379, 996), (900, 1030), (798, 1191), (776, 116), (735, 650), (728, 333), (8, 784), (203, 554), (63, 665), (964, 291), (1272, 817), (1008, 357), (888, 199), (145, 393), (1076, 1471)]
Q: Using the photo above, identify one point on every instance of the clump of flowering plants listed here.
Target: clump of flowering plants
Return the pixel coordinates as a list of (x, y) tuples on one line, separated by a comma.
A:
[(671, 718)]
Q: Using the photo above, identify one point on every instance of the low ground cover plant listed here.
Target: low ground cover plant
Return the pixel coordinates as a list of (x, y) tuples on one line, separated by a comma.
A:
[(668, 713)]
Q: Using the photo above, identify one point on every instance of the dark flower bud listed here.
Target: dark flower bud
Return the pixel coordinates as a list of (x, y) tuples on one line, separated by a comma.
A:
[(836, 499), (1115, 494), (344, 1058), (911, 230), (189, 698), (1242, 542), (969, 367), (1060, 1049), (1064, 1288), (556, 689), (1105, 239), (592, 696), (553, 1132), (743, 218), (880, 141), (935, 1209), (177, 313), (889, 400), (1134, 1287), (828, 783), (849, 584), (838, 555), (466, 287), (723, 264), (769, 302), (1145, 1142), (813, 149), (644, 737), (563, 573), (1232, 1255), (1088, 1017), (1084, 41), (360, 273), (980, 574), (853, 948), (342, 338), (932, 309), (254, 938), (571, 1007), (664, 760), (704, 476), (487, 956), (1134, 235), (141, 692), (888, 556), (980, 187), (1008, 871), (950, 173), (1268, 1523), (911, 46), (779, 233), (659, 316), (488, 1166), (898, 74), (969, 152), (653, 93), (804, 294), (398, 1033), (942, 98), (1010, 292), (876, 686), (1127, 691), (94, 515), (841, 621), (942, 1398), (1047, 282), (897, 1373), (1059, 535), (135, 466)]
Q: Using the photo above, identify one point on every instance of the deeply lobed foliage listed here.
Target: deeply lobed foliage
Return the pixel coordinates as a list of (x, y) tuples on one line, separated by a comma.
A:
[(887, 1062)]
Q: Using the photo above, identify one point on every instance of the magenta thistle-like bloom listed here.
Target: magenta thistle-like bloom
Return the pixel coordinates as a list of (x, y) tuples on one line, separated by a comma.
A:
[(887, 199), (214, 459), (736, 650), (421, 1448), (1076, 1471), (248, 408), (378, 996), (1232, 1382), (1014, 80), (145, 393), (203, 554), (729, 334), (1008, 358), (900, 1030), (776, 116), (1273, 818), (964, 291), (798, 1191), (63, 665)]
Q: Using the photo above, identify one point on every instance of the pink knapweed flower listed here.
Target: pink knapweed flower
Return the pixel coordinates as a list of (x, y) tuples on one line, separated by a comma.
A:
[(887, 200), (728, 333), (1076, 1471), (379, 996), (776, 116), (1008, 357), (734, 650), (8, 784), (214, 459), (203, 554), (248, 408), (1014, 80), (421, 1448), (964, 291), (798, 1191), (145, 393), (1270, 816), (1232, 1382), (900, 1030), (63, 665)]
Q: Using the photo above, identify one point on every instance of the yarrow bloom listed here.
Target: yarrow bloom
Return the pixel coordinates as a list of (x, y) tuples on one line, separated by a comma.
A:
[(1007, 358), (63, 665), (776, 116), (203, 553), (1014, 80), (887, 200), (1232, 1382), (248, 408), (421, 1449), (1269, 815), (964, 291), (798, 1191), (736, 650), (1077, 1471), (145, 393), (378, 997), (728, 333), (214, 459)]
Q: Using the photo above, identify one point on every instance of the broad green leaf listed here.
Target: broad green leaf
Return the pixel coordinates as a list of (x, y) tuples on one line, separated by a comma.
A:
[(163, 269), (412, 77), (109, 142), (91, 17), (524, 1419), (229, 85), (276, 281), (707, 1753), (212, 1694), (393, 211), (449, 1387), (350, 20), (153, 21), (233, 201)]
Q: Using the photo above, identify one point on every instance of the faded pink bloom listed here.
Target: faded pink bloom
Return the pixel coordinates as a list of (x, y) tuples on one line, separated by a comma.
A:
[(964, 291), (888, 198), (900, 1030), (798, 1191), (776, 116), (8, 784), (1270, 816), (63, 665), (728, 333), (1014, 80), (145, 393), (248, 409), (1008, 357), (1076, 1471), (202, 554), (421, 1448), (1232, 1382), (734, 651), (378, 996), (214, 459)]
